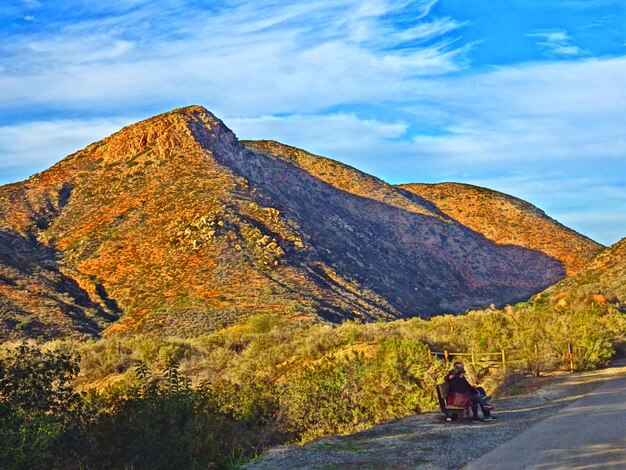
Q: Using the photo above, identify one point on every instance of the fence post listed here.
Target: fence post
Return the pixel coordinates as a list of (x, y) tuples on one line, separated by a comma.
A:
[(446, 356), (570, 356), (503, 360), (537, 365), (473, 359)]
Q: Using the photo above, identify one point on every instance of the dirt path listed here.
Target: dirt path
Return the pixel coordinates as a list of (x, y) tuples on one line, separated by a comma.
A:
[(428, 442), (589, 433)]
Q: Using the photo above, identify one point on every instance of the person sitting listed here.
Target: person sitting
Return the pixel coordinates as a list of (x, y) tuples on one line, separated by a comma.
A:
[(481, 398), (461, 393)]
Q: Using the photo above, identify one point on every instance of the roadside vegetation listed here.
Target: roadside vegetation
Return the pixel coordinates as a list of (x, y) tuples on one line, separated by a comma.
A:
[(214, 400)]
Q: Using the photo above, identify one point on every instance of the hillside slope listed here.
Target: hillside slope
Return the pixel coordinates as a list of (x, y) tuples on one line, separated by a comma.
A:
[(601, 282), (174, 227), (507, 220)]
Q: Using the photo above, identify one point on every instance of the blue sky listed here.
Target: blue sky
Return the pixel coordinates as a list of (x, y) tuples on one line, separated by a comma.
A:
[(524, 96)]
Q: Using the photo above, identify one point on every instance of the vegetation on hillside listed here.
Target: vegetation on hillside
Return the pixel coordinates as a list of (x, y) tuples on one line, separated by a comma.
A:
[(214, 399), (601, 282)]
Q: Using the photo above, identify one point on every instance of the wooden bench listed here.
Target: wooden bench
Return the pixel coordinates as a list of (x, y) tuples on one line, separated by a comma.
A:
[(449, 410)]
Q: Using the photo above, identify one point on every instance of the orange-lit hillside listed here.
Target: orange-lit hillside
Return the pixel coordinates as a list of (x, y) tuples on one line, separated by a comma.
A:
[(508, 220), (601, 282), (172, 226)]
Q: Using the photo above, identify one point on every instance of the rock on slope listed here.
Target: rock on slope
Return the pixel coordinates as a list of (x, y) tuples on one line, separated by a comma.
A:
[(507, 220), (173, 226)]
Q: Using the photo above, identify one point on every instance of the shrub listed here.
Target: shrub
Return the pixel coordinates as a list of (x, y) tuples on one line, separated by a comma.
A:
[(402, 380), (266, 381), (160, 423), (165, 424), (39, 409), (325, 398), (345, 394)]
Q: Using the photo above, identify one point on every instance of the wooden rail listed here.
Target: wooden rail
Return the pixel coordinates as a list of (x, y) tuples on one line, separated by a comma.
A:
[(501, 356)]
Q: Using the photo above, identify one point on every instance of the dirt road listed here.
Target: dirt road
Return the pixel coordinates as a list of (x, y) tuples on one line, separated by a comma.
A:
[(589, 433)]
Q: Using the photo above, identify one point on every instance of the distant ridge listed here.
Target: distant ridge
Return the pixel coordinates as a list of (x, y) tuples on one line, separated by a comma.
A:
[(173, 226), (507, 220)]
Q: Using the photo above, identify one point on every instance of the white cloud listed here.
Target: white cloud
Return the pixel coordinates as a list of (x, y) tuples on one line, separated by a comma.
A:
[(550, 133), (250, 59), (32, 3), (368, 144), (332, 131), (559, 111), (286, 64), (72, 54), (557, 43)]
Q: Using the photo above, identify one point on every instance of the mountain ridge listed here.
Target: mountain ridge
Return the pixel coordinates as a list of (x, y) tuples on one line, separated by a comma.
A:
[(506, 219), (172, 225)]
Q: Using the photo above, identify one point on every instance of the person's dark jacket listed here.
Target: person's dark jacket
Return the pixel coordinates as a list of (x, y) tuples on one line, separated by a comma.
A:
[(460, 385)]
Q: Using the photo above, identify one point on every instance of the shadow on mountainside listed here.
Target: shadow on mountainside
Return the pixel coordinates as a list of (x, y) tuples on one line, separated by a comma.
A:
[(420, 264), (36, 293)]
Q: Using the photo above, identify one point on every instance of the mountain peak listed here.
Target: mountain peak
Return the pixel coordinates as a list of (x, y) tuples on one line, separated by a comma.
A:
[(160, 137), (185, 112), (172, 226)]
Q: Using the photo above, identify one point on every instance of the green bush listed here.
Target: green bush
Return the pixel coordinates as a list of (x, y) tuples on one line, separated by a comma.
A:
[(166, 424), (161, 423), (39, 409), (325, 398), (345, 394)]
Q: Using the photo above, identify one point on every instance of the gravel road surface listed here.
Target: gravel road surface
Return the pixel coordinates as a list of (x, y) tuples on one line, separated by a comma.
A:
[(589, 433)]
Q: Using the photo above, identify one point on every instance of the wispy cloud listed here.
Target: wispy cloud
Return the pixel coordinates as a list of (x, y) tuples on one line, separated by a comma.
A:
[(549, 132), (32, 3), (532, 112), (331, 131), (233, 60), (557, 43), (369, 144), (387, 86)]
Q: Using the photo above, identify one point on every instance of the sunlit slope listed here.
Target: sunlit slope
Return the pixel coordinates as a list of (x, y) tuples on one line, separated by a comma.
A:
[(601, 282), (171, 225), (508, 220)]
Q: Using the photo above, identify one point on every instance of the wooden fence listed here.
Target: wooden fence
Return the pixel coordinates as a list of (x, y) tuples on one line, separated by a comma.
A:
[(498, 357)]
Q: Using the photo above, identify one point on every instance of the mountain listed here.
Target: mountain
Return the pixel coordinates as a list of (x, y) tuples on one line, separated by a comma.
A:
[(507, 220), (601, 282), (173, 226)]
